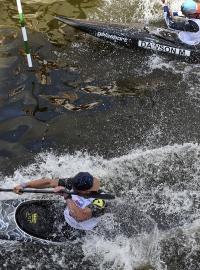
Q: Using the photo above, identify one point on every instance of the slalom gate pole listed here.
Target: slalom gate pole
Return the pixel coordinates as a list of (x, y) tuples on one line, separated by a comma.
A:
[(24, 33)]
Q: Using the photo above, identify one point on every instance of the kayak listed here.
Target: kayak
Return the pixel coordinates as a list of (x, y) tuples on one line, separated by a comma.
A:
[(35, 221), (43, 221), (160, 40)]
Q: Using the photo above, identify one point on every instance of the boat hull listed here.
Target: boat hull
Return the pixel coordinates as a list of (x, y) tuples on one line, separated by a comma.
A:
[(160, 41), (35, 221)]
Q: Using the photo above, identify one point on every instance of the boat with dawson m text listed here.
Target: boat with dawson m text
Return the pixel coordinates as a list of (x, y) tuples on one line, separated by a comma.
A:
[(159, 40)]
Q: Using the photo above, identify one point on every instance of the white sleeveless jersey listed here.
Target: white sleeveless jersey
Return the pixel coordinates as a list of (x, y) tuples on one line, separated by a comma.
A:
[(88, 224), (189, 37)]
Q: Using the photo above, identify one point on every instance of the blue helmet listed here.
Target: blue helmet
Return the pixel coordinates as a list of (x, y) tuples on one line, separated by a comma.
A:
[(82, 181), (189, 7)]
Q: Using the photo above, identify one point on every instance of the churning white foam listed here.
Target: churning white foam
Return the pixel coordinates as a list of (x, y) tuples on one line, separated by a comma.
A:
[(131, 10), (121, 252), (162, 183)]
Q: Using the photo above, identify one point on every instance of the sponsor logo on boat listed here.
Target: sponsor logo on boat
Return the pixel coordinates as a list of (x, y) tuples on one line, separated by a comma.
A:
[(163, 48), (32, 217), (112, 37)]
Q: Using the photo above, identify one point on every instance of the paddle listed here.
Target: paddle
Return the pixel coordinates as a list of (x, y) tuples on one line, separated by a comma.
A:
[(92, 194)]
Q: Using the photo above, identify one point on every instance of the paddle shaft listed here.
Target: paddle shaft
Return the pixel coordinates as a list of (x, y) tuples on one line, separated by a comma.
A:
[(44, 191)]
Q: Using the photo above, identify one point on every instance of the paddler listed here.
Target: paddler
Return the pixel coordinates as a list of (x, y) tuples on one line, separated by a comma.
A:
[(81, 213), (189, 29)]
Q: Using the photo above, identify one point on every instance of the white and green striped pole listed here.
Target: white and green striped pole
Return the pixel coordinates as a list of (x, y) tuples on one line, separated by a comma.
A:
[(24, 33)]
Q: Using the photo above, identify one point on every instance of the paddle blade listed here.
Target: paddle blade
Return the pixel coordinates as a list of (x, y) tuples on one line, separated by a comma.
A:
[(103, 196)]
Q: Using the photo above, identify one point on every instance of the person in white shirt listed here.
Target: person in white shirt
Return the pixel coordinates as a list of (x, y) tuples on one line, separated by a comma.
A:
[(189, 29), (81, 213)]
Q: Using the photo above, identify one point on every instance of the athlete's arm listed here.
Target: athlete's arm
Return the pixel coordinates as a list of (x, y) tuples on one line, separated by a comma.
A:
[(95, 209), (78, 213), (186, 26), (39, 183)]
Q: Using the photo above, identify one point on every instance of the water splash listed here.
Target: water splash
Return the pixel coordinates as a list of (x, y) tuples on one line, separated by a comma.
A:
[(121, 253), (131, 10), (162, 183)]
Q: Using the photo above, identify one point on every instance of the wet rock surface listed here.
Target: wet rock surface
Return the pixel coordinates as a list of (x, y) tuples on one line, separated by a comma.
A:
[(69, 108)]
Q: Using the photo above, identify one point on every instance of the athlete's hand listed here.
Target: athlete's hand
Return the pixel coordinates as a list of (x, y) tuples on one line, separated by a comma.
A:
[(18, 189), (67, 196), (58, 189)]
